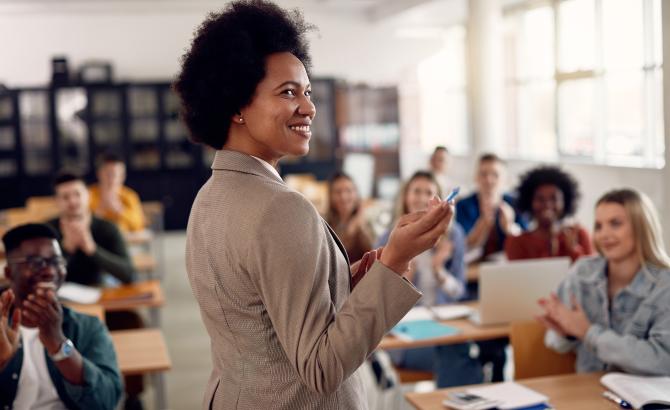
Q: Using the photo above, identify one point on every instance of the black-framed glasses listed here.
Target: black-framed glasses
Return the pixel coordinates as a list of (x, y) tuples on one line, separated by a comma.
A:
[(36, 263)]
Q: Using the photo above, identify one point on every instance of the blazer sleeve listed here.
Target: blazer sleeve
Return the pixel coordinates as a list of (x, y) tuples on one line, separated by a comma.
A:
[(290, 265)]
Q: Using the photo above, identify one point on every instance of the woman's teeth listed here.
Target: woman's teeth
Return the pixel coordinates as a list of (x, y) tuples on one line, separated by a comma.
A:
[(300, 128)]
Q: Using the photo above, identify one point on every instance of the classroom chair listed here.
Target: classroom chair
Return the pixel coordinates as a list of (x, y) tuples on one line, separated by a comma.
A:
[(531, 357)]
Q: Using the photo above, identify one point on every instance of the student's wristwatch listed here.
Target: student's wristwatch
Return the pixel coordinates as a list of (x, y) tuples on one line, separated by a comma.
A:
[(65, 351)]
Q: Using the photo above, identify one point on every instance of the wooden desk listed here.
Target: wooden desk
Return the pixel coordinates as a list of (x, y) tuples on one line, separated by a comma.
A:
[(468, 332), (144, 262), (91, 310), (132, 296), (143, 237), (141, 351), (568, 391)]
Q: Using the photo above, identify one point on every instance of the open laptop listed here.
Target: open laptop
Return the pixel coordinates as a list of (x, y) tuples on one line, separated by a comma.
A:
[(509, 291)]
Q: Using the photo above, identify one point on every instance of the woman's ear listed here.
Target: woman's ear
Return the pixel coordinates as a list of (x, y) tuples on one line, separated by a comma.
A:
[(8, 273)]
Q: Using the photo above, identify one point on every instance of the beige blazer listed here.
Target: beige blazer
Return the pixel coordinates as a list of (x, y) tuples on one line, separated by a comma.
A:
[(273, 285)]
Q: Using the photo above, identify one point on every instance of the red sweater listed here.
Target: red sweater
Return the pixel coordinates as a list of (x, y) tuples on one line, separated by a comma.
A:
[(535, 244)]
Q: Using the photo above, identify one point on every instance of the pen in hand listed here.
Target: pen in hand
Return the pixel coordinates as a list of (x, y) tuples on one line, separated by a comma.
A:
[(618, 400), (452, 194)]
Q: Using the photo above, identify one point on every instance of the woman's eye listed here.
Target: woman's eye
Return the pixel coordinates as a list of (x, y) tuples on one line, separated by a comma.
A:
[(289, 92), (308, 93)]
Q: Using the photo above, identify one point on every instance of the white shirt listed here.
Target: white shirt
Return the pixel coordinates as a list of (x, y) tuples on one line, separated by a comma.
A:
[(268, 166), (35, 390)]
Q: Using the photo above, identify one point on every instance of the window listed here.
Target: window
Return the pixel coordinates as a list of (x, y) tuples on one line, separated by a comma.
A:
[(442, 96), (584, 81)]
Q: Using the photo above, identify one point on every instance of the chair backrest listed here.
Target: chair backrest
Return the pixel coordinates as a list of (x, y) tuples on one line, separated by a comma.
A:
[(531, 357), (42, 207)]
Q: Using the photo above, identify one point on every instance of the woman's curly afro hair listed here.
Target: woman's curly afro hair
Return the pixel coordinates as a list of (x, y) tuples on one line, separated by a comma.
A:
[(548, 175), (226, 61)]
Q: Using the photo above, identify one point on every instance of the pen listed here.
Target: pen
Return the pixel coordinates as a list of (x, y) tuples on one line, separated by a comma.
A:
[(621, 402), (452, 194)]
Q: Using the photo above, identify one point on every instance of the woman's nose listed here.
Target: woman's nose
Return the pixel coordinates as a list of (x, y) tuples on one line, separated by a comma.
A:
[(307, 107)]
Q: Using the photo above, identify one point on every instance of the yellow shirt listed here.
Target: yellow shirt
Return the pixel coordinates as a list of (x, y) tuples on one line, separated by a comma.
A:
[(130, 219)]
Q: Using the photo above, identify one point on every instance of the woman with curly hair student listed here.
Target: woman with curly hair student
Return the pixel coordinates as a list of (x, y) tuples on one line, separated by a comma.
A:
[(288, 323), (550, 196), (613, 309)]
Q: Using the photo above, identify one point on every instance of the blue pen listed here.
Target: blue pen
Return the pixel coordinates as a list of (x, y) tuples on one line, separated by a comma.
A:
[(618, 400), (453, 194)]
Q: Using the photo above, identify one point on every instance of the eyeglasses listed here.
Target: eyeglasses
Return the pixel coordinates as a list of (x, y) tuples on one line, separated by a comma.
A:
[(36, 263)]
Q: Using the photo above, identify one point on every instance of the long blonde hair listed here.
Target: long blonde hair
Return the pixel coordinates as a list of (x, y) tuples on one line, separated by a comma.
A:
[(649, 244)]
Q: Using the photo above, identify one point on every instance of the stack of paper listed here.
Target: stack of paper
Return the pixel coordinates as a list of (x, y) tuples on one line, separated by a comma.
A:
[(503, 396)]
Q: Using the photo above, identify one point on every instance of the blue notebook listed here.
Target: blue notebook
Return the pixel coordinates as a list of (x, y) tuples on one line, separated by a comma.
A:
[(422, 329)]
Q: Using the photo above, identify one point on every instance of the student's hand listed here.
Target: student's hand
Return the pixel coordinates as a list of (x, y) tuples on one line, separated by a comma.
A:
[(109, 200), (43, 309), (360, 268), (507, 217), (415, 233), (9, 334), (562, 319)]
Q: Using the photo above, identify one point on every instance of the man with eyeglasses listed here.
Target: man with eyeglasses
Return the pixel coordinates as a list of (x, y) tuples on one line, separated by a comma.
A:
[(50, 356)]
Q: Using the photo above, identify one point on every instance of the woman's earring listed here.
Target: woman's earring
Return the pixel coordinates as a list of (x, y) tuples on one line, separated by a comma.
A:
[(240, 120)]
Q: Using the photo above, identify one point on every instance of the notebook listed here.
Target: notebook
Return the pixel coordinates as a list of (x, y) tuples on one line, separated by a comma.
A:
[(640, 391), (422, 329)]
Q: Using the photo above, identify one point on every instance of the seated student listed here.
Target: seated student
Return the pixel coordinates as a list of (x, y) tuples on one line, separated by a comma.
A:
[(488, 218), (439, 166), (50, 356), (345, 216), (92, 246), (550, 196), (113, 201), (488, 215), (439, 274), (614, 309)]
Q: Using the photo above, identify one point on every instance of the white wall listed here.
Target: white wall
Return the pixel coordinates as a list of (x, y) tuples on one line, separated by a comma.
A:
[(145, 39)]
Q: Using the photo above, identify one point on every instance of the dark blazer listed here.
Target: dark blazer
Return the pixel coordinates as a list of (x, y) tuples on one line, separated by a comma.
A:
[(274, 289)]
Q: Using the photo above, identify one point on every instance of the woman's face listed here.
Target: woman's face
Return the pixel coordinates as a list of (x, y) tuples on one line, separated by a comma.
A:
[(419, 193), (278, 119), (548, 204), (613, 232), (343, 197)]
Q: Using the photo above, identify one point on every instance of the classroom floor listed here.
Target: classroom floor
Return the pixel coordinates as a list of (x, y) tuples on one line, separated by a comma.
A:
[(186, 337)]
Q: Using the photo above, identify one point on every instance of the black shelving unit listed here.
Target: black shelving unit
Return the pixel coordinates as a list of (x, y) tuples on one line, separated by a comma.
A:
[(46, 129)]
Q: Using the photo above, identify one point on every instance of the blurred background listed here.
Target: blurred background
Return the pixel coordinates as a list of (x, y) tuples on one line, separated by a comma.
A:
[(574, 82)]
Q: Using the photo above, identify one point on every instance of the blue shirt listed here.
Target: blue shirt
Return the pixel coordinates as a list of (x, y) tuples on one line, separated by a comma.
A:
[(455, 265), (632, 334), (467, 213)]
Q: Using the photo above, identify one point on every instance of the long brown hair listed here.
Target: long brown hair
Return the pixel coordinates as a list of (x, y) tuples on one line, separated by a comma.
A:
[(649, 244), (401, 201), (332, 216)]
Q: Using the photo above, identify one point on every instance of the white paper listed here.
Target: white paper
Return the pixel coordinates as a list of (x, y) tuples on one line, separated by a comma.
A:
[(77, 293), (510, 394), (449, 312), (417, 313)]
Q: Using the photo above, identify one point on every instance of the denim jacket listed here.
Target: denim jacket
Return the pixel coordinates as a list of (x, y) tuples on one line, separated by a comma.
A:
[(631, 335)]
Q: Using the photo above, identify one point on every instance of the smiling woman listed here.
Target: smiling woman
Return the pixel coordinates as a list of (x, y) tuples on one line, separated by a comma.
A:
[(289, 324)]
